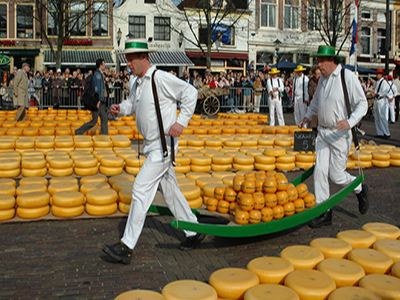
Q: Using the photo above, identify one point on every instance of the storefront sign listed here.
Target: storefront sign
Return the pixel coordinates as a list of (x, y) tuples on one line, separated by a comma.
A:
[(4, 60), (78, 42), (7, 43)]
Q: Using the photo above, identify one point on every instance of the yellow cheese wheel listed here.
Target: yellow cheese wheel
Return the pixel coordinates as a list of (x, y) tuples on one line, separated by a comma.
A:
[(380, 163), (195, 175), (196, 203), (202, 181), (304, 165), (135, 170), (86, 171), (94, 178), (101, 210), (190, 191), (209, 188), (270, 291), (68, 198), (7, 214), (60, 163), (61, 172), (62, 186), (305, 157), (270, 269), (394, 155), (344, 272), (396, 270), (67, 212), (395, 162), (240, 167), (140, 295), (276, 152), (357, 238), (310, 284), (264, 167), (33, 213), (382, 230), (124, 208), (10, 173), (372, 261), (102, 197), (378, 155), (63, 179), (7, 189), (189, 289), (232, 283), (114, 179), (243, 159), (33, 163), (89, 186), (285, 159), (221, 159), (332, 247), (282, 142), (86, 162), (102, 143), (111, 161), (200, 160), (122, 184), (221, 168), (285, 166), (182, 169), (233, 143), (32, 187), (390, 247), (353, 293), (364, 156), (125, 195), (302, 257), (110, 171), (182, 160), (385, 286), (6, 202), (34, 172), (8, 181)]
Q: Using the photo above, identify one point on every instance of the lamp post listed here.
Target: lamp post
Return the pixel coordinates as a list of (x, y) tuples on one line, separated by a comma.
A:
[(119, 35), (277, 43)]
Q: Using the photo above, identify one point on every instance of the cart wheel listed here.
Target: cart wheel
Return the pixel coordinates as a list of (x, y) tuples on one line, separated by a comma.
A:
[(211, 105)]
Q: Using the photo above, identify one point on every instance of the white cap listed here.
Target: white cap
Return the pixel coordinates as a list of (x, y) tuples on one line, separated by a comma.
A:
[(58, 71)]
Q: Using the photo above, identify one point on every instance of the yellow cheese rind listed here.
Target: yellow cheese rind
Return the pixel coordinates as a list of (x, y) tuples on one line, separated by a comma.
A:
[(343, 271), (67, 212), (270, 291), (270, 269), (6, 201), (372, 261), (101, 210), (33, 199), (353, 293), (102, 197), (140, 295), (382, 230), (396, 270), (68, 198), (357, 238), (302, 257), (386, 286), (7, 214), (189, 289), (390, 247), (33, 213), (332, 247)]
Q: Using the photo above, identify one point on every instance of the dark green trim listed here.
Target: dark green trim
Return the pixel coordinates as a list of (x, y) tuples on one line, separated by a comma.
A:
[(20, 52)]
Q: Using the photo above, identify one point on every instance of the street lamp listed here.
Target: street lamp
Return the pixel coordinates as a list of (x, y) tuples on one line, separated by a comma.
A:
[(180, 39), (277, 43), (119, 35)]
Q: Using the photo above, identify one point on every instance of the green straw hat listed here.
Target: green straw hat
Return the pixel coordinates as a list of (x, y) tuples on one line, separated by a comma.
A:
[(326, 51), (136, 46)]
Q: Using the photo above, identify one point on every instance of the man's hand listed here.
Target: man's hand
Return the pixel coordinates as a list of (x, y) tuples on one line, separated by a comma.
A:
[(303, 122), (114, 110), (175, 130), (98, 104), (342, 125), (15, 94)]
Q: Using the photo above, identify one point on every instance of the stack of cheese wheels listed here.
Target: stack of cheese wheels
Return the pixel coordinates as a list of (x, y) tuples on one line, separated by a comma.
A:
[(362, 159), (123, 141), (192, 194), (125, 199), (7, 143), (102, 142), (94, 178), (264, 162), (188, 289), (221, 162), (7, 199), (10, 167), (134, 163), (232, 283), (122, 184), (62, 186), (380, 159), (182, 164), (86, 166), (213, 143), (65, 143), (101, 202), (305, 160), (95, 185), (125, 152), (200, 163), (395, 157), (99, 154), (33, 202), (83, 142), (60, 166), (44, 144), (33, 166), (67, 204), (242, 162), (121, 177), (111, 165), (24, 143)]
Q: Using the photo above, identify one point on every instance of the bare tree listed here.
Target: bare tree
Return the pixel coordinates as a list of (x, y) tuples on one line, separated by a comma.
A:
[(67, 18), (213, 18)]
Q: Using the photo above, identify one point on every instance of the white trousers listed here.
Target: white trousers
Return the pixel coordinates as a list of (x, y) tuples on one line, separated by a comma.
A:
[(299, 110), (275, 104), (391, 111), (381, 117), (156, 171), (332, 149), (257, 100), (247, 102)]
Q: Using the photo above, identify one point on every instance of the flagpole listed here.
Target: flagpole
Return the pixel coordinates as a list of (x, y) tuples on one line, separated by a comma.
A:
[(355, 63)]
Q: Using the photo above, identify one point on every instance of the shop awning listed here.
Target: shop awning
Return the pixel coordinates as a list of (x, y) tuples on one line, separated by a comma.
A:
[(79, 58), (220, 55), (165, 58)]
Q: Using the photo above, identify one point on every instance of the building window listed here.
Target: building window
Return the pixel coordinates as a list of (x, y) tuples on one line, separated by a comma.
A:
[(25, 21), (3, 20), (268, 13), (365, 40), (265, 57), (150, 1), (100, 19), (291, 15), (137, 27), (336, 15), (303, 58), (381, 41), (52, 19), (77, 19), (366, 15), (381, 17), (314, 14), (162, 29)]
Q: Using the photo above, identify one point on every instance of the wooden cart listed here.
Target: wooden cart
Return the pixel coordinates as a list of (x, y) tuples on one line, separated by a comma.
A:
[(208, 100)]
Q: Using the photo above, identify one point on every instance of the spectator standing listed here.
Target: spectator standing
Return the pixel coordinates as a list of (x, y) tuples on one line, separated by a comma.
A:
[(247, 92), (73, 85), (312, 87), (391, 100), (80, 89), (57, 84), (250, 67), (47, 86), (396, 82), (118, 88), (20, 91), (300, 94), (275, 88), (381, 94), (258, 90), (33, 101), (198, 82)]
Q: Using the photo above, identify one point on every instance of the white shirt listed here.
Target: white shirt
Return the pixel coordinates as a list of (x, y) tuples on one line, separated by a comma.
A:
[(384, 90), (298, 87), (393, 88), (170, 90), (397, 84), (276, 83), (329, 104)]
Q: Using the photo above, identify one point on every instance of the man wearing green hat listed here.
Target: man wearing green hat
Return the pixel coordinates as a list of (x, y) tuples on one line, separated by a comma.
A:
[(157, 171), (334, 129)]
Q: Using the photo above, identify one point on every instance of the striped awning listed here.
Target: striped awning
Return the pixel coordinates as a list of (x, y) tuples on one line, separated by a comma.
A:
[(82, 58), (165, 58)]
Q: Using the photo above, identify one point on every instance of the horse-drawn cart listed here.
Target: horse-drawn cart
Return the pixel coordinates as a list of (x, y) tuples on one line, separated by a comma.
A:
[(208, 100)]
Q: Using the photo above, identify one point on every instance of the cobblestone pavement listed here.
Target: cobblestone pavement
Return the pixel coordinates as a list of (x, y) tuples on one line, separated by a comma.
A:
[(63, 259)]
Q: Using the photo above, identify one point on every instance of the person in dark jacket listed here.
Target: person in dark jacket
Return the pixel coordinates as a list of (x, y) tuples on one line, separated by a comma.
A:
[(47, 84), (312, 86), (73, 85)]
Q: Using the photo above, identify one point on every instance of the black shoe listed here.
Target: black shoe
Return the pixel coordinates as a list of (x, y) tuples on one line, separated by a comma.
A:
[(191, 242), (385, 137), (391, 122), (363, 201), (119, 252), (378, 136), (323, 220)]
